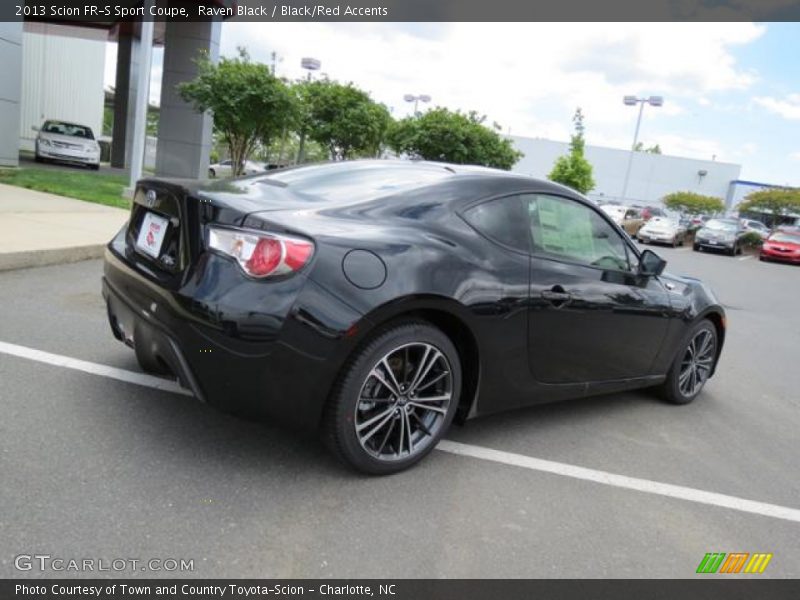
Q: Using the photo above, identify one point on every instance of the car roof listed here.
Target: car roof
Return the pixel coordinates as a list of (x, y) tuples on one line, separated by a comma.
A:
[(375, 177)]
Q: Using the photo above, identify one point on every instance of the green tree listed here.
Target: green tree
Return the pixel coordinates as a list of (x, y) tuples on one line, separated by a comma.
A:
[(654, 149), (776, 202), (573, 170), (342, 118), (250, 106), (454, 137), (693, 204)]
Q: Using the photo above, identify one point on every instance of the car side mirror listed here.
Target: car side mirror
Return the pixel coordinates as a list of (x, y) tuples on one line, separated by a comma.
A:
[(651, 264)]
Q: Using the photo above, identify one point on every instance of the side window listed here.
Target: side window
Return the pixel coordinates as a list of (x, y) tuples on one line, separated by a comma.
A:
[(503, 220), (563, 228)]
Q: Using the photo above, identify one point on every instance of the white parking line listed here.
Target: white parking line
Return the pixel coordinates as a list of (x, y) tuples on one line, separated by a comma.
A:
[(93, 368), (646, 486), (745, 257), (623, 481)]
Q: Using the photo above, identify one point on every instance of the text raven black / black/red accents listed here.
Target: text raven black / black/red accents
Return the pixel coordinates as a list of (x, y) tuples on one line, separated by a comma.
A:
[(375, 302)]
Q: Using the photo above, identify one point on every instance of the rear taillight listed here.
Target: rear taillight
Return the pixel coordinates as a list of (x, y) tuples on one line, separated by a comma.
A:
[(262, 254)]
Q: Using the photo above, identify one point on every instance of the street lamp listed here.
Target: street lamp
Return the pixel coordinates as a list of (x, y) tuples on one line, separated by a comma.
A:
[(633, 101), (310, 65), (416, 100)]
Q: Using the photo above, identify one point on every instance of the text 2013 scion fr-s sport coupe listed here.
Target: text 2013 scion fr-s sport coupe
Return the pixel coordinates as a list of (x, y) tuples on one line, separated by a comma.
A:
[(377, 301)]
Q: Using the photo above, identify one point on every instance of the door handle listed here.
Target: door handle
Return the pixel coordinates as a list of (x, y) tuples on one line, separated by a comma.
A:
[(556, 296)]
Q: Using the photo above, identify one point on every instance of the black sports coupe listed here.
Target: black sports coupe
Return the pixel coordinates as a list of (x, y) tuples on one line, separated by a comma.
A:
[(373, 302)]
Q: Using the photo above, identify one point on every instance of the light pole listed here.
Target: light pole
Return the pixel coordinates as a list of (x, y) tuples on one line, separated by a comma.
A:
[(416, 99), (633, 101), (310, 65)]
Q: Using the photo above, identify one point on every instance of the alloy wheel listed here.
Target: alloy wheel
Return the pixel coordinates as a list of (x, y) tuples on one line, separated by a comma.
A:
[(404, 402), (697, 363)]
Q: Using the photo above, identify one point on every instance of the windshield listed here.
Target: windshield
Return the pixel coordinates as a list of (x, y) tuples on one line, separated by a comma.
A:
[(721, 225), (786, 238), (69, 129)]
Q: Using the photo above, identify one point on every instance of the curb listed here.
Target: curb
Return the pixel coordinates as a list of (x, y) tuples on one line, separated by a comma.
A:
[(52, 256)]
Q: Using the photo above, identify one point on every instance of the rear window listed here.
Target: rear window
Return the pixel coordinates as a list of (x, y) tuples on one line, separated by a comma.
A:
[(503, 220), (337, 181)]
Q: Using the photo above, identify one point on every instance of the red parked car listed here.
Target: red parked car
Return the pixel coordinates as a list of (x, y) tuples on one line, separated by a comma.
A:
[(783, 246)]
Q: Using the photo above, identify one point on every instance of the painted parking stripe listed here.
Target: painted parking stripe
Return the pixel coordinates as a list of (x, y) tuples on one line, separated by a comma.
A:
[(59, 360), (622, 481), (646, 486), (746, 257)]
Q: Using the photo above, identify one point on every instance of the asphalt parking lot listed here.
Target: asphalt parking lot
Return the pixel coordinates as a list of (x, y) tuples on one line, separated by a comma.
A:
[(94, 467)]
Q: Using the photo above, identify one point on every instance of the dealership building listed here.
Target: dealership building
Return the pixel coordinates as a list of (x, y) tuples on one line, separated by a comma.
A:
[(652, 176)]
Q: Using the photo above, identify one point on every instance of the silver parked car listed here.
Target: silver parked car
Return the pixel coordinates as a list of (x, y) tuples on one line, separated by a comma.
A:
[(67, 142), (663, 230)]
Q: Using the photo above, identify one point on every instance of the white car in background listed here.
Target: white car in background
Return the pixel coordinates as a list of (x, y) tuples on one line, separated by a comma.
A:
[(756, 226), (663, 230), (225, 168), (67, 142)]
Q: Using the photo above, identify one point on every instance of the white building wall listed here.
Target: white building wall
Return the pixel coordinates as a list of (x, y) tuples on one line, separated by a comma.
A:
[(62, 78), (652, 175)]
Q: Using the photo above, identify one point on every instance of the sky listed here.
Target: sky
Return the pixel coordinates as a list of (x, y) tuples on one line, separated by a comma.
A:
[(731, 90)]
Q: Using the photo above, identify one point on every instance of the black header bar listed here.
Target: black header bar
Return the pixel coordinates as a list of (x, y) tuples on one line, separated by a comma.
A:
[(705, 588), (112, 11)]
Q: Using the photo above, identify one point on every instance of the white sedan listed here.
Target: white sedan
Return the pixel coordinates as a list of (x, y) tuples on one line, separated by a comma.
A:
[(225, 168), (67, 142)]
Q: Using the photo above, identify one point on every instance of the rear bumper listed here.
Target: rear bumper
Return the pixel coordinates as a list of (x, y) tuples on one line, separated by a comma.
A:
[(277, 364), (715, 245), (139, 330)]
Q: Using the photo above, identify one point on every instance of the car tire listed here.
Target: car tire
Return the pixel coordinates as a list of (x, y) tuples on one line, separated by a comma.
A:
[(687, 377), (212, 173), (94, 167), (379, 441), (697, 248), (38, 159)]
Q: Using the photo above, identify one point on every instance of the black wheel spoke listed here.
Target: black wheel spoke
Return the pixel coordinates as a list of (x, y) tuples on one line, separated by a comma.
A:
[(386, 436)]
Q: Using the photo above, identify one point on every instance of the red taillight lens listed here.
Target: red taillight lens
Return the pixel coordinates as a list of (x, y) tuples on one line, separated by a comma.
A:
[(265, 258), (262, 254), (297, 253)]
